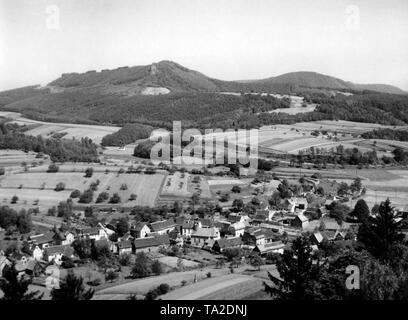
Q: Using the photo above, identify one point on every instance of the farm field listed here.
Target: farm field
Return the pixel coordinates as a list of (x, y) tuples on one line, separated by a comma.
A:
[(30, 186), (141, 286), (47, 129), (296, 109), (14, 158), (296, 137), (231, 286)]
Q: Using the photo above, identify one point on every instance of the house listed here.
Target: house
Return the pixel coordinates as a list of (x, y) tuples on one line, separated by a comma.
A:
[(42, 240), (140, 230), (253, 236), (274, 226), (206, 223), (271, 247), (300, 221), (176, 238), (55, 253), (188, 226), (317, 238), (37, 252), (109, 229), (295, 205), (3, 263), (265, 215), (151, 244), (63, 238), (204, 236), (237, 229), (124, 247), (226, 243), (94, 233), (163, 227)]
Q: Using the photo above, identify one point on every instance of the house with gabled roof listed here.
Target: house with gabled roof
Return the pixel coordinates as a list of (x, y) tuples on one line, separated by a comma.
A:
[(253, 236), (43, 240), (204, 236), (188, 227), (163, 227), (124, 247), (226, 243), (55, 253), (300, 221), (140, 230), (94, 233), (271, 247), (237, 228), (151, 244)]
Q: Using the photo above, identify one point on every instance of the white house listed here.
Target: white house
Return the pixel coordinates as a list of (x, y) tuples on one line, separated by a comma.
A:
[(56, 253), (95, 233), (140, 230), (38, 253), (204, 236), (237, 228)]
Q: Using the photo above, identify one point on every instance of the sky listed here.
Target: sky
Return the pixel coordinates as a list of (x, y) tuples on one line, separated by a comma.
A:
[(363, 41)]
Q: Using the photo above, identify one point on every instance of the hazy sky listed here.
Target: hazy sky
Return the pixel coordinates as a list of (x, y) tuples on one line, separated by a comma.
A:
[(364, 41)]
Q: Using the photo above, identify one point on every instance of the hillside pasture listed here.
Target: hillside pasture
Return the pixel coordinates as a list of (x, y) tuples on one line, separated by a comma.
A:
[(47, 129)]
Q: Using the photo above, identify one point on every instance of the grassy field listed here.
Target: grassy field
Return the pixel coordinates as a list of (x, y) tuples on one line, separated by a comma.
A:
[(47, 129), (14, 158), (231, 286), (31, 186)]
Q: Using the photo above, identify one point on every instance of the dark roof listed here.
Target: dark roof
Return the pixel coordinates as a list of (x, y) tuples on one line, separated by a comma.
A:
[(229, 242), (139, 226), (270, 246), (261, 217), (89, 231), (44, 238), (161, 225), (151, 241), (66, 250), (206, 223), (188, 224), (124, 244)]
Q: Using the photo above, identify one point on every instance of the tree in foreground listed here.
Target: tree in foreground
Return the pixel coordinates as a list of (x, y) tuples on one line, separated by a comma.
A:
[(299, 271), (15, 287), (381, 232), (72, 288)]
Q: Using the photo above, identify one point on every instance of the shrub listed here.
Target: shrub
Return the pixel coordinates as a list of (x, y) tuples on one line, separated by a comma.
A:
[(115, 198), (86, 197), (236, 189), (88, 172), (2, 171), (103, 196), (157, 267), (132, 197), (14, 199), (123, 186), (53, 168), (60, 186), (75, 194), (94, 186)]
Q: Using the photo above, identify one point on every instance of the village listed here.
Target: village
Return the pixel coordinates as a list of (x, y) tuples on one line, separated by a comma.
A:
[(245, 233)]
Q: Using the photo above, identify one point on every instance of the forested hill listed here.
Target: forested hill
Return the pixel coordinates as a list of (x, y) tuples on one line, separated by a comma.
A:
[(157, 94)]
